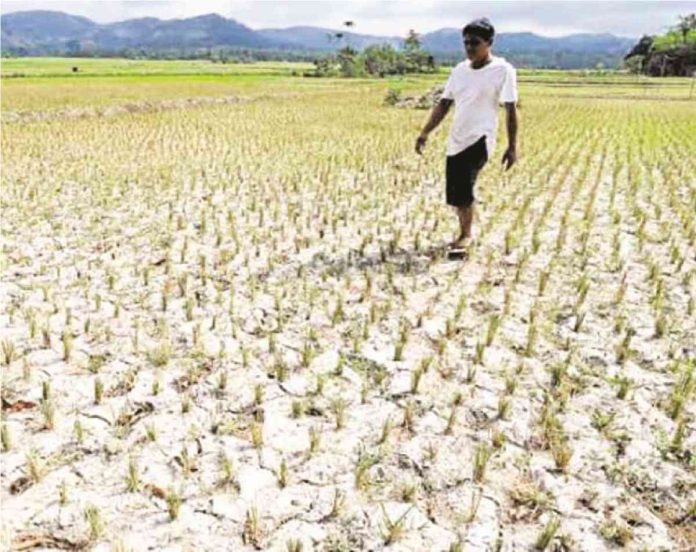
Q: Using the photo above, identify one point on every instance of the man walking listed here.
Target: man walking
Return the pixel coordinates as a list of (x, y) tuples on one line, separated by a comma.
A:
[(476, 86)]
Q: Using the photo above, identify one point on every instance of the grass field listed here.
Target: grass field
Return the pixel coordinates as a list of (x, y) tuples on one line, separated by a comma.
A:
[(227, 322), (48, 84), (56, 67)]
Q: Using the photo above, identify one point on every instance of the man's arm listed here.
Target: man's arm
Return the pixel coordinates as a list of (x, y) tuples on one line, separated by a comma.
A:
[(510, 155), (436, 116)]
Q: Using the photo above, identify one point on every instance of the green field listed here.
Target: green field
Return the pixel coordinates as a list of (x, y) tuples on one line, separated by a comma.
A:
[(56, 67), (227, 320), (104, 82)]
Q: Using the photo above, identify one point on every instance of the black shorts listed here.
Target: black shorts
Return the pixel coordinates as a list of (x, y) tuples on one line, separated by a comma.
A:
[(462, 170)]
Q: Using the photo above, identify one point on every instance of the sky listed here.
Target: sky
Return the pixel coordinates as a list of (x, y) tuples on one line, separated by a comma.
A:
[(630, 18)]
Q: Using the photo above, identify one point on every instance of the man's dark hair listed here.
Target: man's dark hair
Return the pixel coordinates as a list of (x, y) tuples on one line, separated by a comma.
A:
[(482, 28)]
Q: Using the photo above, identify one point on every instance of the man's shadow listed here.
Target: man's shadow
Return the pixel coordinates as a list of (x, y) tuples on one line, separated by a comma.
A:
[(406, 261)]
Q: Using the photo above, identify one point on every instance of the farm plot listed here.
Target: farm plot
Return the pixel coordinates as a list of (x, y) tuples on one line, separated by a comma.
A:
[(231, 327)]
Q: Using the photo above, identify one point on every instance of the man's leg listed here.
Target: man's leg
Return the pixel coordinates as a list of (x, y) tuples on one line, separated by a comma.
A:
[(466, 217), (462, 170)]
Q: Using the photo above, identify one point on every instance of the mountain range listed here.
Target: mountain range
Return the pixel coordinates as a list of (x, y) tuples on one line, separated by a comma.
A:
[(40, 32)]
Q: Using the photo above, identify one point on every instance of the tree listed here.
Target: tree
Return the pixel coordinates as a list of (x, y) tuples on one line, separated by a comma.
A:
[(642, 48), (416, 58), (349, 62), (380, 59), (686, 23), (634, 64), (412, 41)]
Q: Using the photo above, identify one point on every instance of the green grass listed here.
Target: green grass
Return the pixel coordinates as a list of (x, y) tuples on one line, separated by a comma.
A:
[(90, 67), (40, 84)]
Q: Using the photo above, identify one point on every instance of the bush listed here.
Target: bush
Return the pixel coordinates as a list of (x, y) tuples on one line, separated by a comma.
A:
[(393, 96)]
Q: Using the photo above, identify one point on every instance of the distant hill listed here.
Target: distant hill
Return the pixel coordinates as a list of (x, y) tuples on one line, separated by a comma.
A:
[(529, 49), (45, 32), (37, 33), (32, 28)]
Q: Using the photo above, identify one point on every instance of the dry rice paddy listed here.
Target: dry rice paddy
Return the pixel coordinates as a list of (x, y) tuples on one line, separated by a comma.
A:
[(228, 325)]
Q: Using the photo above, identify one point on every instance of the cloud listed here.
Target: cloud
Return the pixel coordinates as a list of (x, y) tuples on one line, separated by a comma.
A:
[(627, 18)]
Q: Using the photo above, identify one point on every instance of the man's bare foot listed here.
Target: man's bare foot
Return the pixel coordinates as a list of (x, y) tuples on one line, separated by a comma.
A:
[(462, 242)]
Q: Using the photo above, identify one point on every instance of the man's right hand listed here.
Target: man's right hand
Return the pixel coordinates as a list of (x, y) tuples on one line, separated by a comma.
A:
[(420, 143)]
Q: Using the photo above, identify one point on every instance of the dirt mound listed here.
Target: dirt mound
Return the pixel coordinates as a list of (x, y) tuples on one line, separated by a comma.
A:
[(426, 101)]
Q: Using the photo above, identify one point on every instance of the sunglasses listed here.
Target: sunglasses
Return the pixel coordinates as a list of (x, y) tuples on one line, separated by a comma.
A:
[(474, 42)]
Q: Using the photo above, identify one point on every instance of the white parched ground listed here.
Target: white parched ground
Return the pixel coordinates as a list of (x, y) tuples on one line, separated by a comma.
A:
[(230, 325)]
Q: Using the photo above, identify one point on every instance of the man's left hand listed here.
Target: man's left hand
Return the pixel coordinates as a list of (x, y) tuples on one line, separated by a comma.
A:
[(509, 158)]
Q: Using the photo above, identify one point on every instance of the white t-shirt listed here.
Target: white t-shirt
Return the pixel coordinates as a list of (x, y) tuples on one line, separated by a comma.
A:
[(476, 94)]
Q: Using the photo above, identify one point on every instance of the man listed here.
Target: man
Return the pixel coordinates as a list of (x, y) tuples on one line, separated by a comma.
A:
[(476, 86)]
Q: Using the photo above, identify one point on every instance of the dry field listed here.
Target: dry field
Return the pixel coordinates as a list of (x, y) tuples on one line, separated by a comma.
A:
[(226, 321)]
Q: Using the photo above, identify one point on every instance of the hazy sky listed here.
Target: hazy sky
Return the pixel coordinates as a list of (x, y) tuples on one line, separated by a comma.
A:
[(553, 18)]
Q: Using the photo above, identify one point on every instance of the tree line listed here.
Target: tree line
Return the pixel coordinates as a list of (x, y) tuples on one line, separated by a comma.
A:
[(377, 60), (670, 54)]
